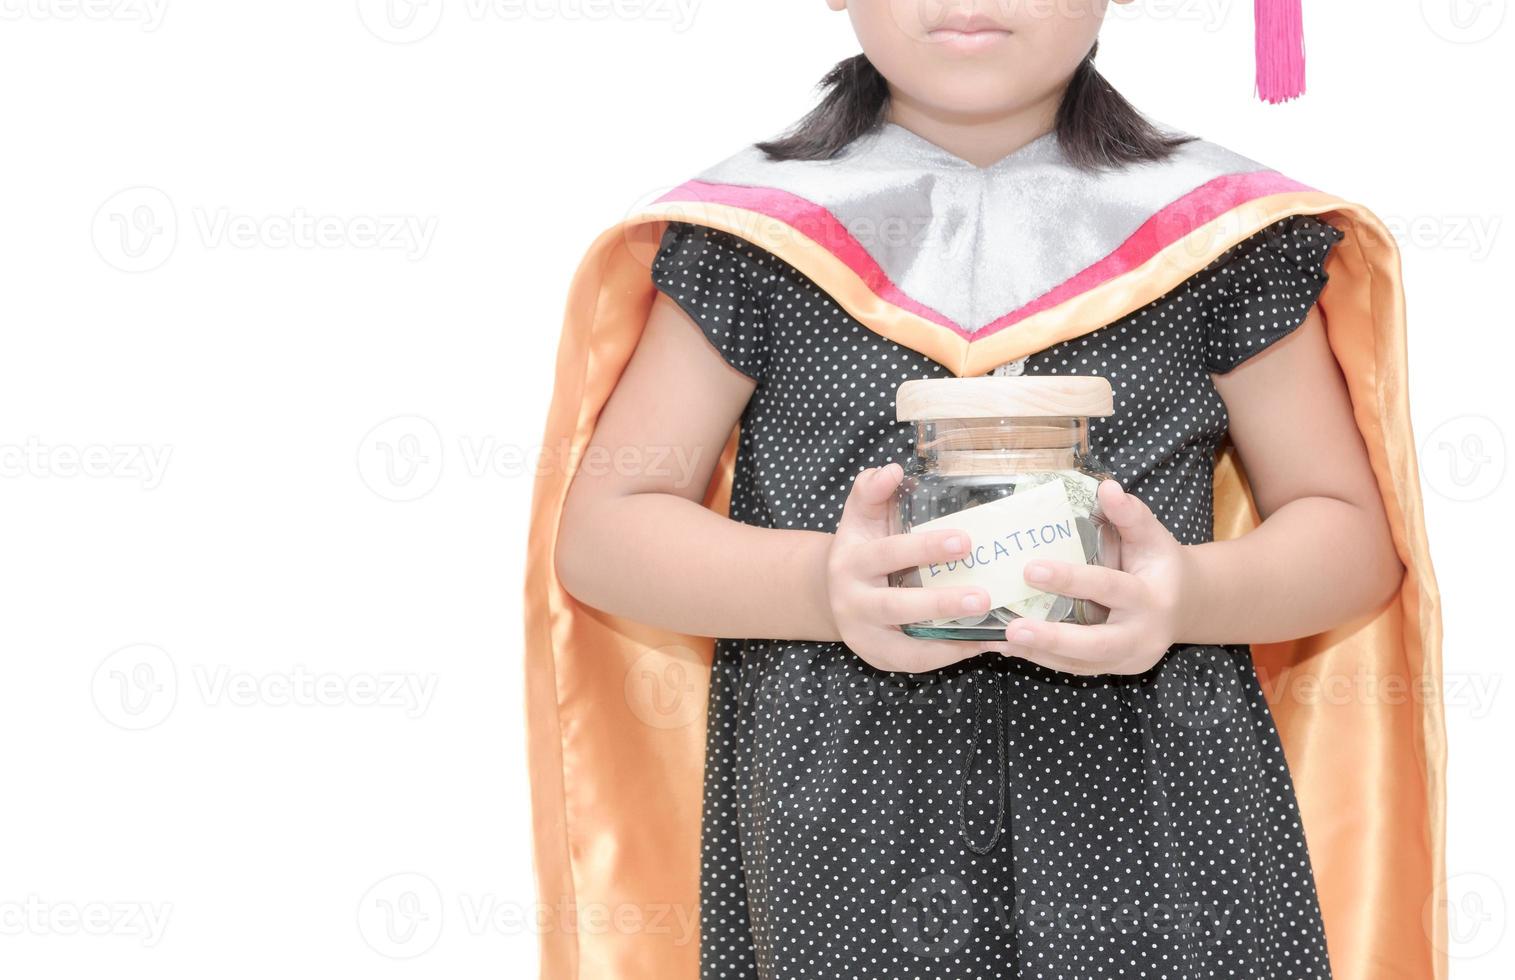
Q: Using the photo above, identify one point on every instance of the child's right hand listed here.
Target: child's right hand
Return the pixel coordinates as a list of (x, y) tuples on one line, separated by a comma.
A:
[(867, 610)]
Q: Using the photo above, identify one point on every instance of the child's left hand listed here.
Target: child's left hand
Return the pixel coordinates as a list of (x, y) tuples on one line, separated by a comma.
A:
[(1144, 597)]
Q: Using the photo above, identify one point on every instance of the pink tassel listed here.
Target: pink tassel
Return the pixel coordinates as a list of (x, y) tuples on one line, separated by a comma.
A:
[(1280, 49)]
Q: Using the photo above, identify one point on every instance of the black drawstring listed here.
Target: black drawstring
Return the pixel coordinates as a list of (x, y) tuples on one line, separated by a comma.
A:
[(992, 701)]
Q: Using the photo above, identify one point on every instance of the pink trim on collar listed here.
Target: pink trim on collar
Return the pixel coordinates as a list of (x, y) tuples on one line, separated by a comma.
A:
[(1196, 208)]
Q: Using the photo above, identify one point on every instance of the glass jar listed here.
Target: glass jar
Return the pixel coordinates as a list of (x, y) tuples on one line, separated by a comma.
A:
[(1007, 460)]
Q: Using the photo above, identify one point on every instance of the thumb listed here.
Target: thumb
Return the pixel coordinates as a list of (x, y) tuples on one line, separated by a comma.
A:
[(869, 500), (1137, 525)]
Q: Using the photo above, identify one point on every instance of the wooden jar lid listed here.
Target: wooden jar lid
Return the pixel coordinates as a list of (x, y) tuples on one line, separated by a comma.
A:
[(992, 397)]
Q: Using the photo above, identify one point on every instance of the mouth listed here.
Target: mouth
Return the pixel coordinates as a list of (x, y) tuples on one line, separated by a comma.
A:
[(968, 33)]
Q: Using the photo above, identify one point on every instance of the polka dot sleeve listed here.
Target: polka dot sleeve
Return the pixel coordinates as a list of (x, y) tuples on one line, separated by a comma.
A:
[(1262, 289), (724, 284)]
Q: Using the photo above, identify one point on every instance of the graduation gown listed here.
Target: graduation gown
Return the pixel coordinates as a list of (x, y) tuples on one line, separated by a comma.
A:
[(975, 267)]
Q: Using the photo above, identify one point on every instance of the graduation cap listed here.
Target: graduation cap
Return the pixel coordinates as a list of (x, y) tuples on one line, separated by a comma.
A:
[(1280, 39)]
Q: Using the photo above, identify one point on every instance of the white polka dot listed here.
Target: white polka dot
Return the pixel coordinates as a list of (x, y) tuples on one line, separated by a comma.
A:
[(995, 818)]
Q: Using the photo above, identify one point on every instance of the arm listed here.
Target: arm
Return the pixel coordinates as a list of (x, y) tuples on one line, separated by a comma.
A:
[(637, 541), (1323, 554)]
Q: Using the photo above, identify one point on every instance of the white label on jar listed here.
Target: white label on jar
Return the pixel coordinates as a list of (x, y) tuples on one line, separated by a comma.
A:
[(1004, 535)]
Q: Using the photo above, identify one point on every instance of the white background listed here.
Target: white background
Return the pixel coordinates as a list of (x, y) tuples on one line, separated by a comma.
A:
[(246, 681)]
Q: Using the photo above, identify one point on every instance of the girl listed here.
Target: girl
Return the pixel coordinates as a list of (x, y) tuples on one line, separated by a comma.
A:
[(1072, 801)]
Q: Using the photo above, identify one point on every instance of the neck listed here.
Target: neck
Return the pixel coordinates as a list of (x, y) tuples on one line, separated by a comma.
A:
[(980, 139)]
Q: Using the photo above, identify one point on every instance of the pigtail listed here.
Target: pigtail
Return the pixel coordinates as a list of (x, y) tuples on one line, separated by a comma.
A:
[(1099, 130), (854, 97), (1096, 127)]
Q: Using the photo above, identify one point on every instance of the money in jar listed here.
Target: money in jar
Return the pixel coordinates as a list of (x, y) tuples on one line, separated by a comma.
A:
[(1008, 461)]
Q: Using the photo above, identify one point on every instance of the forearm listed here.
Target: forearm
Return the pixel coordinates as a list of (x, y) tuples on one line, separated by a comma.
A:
[(1313, 564), (670, 562)]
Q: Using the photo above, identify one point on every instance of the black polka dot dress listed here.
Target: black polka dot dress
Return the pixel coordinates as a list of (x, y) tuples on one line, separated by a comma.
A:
[(993, 819)]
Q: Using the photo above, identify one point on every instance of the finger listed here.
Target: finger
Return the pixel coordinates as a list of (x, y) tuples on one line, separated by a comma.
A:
[(919, 656), (897, 606), (1130, 515), (1071, 641), (1110, 587), (868, 501), (887, 554)]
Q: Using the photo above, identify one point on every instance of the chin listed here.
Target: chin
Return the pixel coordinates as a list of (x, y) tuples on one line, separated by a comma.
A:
[(980, 94)]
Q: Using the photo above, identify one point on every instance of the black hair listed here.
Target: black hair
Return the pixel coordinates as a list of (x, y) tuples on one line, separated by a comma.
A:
[(1096, 127)]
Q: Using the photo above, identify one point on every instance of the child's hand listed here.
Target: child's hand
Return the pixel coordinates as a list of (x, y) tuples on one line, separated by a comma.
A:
[(1144, 597), (867, 610)]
